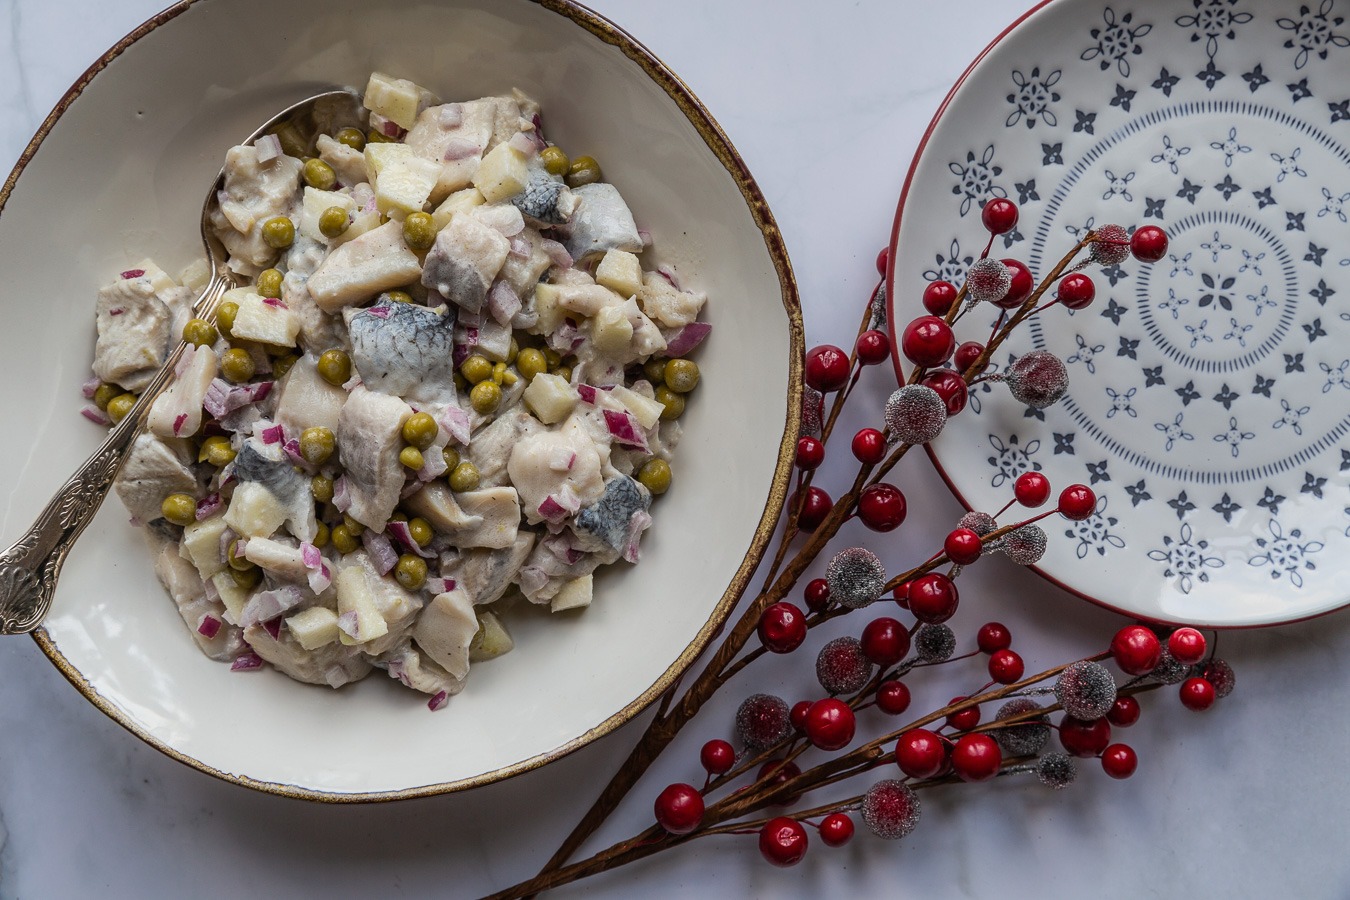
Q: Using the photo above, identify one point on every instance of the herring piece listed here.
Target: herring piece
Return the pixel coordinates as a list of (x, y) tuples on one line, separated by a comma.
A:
[(154, 469), (183, 583), (445, 629), (486, 574), (405, 350), (601, 222), (607, 519), (370, 436), (492, 446), (317, 328), (348, 164), (134, 329), (560, 466), (332, 664), (265, 467), (463, 262), (395, 606), (417, 671), (666, 305), (178, 411), (438, 506), (253, 193), (306, 400), (359, 269), (497, 511), (545, 200)]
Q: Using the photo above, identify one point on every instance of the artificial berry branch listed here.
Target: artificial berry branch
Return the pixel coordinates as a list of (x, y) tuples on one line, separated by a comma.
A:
[(947, 746)]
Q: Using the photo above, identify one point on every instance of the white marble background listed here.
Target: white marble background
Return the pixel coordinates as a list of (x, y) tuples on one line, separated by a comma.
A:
[(826, 102)]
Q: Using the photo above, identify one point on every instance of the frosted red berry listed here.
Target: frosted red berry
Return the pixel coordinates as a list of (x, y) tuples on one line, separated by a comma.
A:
[(885, 641), (717, 757), (1124, 712), (999, 215), (1111, 246), (1021, 286), (1006, 666), (817, 594), (950, 387), (1187, 646), (782, 841), (810, 453), (1136, 650), (872, 347), (814, 508), (782, 627), (827, 368), (881, 507), (890, 809), (920, 753), (830, 724), (1197, 694), (964, 719), (933, 598), (927, 341), (987, 281), (1031, 489), (1082, 738), (842, 667), (1221, 675), (762, 721), (938, 297), (1076, 291), (1149, 244), (1077, 502), (1038, 379), (963, 546), (966, 354), (679, 808), (893, 697), (976, 757), (869, 446), (993, 636), (836, 829), (1119, 761)]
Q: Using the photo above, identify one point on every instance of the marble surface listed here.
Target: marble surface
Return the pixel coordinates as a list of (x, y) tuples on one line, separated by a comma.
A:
[(826, 104)]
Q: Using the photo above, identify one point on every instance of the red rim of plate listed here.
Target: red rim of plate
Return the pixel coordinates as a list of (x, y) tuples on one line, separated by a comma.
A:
[(900, 374)]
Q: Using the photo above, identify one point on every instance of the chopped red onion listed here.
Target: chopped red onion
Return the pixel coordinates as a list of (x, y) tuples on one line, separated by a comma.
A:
[(379, 312), (275, 301), (440, 585), (268, 147), (208, 506), (273, 627), (455, 421), (502, 303), (268, 606), (520, 249), (185, 360), (557, 253), (433, 465), (551, 510), (524, 144), (246, 662), (342, 495), (222, 398), (450, 115), (531, 579), (386, 127), (403, 534), (687, 338), (646, 237), (292, 448), (136, 273), (625, 430), (320, 576), (274, 434), (348, 624), (95, 415), (460, 148), (209, 627), (116, 312), (586, 392), (90, 387), (640, 522), (439, 701), (667, 271), (178, 422), (381, 550)]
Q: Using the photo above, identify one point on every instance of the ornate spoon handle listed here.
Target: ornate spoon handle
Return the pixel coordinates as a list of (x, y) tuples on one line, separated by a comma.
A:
[(30, 568)]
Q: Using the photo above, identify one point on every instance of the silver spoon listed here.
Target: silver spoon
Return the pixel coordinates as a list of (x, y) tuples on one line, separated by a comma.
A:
[(30, 568)]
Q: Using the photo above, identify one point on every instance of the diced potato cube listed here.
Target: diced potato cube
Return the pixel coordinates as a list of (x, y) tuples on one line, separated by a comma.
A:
[(380, 157), (405, 186), (201, 545), (254, 510), (231, 594), (264, 322), (315, 203), (621, 272), (502, 173), (574, 594), (159, 279), (397, 99), (551, 313), (646, 410), (355, 596), (196, 275), (446, 628), (611, 331), (550, 398), (587, 299), (492, 639), (314, 627), (459, 201)]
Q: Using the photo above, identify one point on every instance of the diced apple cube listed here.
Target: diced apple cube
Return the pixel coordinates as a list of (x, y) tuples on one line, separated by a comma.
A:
[(611, 331), (232, 595), (316, 202), (254, 510), (646, 410), (550, 398), (264, 322), (548, 308), (492, 639), (314, 627), (621, 272), (201, 545), (459, 201), (397, 99), (574, 594), (355, 598), (502, 173)]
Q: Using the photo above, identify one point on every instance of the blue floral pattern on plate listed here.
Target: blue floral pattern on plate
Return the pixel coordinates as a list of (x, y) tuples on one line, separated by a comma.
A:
[(1208, 398)]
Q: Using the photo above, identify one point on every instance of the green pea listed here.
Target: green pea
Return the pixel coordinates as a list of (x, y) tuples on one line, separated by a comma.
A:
[(411, 458), (236, 365), (247, 579), (530, 363), (681, 375), (225, 314), (321, 486), (411, 571), (555, 160), (278, 232), (420, 430), (421, 531), (269, 283), (673, 403), (104, 393), (397, 296), (419, 231), (319, 175), (451, 457), (119, 406), (217, 451), (317, 444), (335, 367), (180, 509), (655, 370), (236, 560), (655, 475), (485, 397), (351, 137), (333, 222), (200, 333), (321, 536), (343, 539), (282, 364), (583, 170), (353, 526), (464, 477), (476, 368)]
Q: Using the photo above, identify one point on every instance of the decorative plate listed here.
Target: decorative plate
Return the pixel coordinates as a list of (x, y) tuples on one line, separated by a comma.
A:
[(1209, 393)]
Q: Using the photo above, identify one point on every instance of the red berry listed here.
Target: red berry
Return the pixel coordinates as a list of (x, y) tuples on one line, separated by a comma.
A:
[(1136, 650), (1031, 489), (1187, 646), (1197, 694), (873, 347), (932, 598), (782, 628), (810, 453), (885, 641), (1077, 502), (817, 594), (786, 771), (679, 808), (1076, 291), (1022, 284), (993, 636), (717, 756), (999, 215), (976, 757), (938, 297), (1084, 739), (1149, 244), (920, 753), (882, 257), (1119, 761), (963, 546), (827, 368), (892, 697), (927, 341), (830, 724), (966, 354), (813, 510), (882, 507), (965, 719), (950, 387), (869, 446), (1124, 712), (782, 841), (836, 829), (1006, 667), (798, 714), (901, 595)]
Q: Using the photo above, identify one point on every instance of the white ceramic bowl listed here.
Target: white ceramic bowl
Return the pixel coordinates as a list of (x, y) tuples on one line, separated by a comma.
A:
[(118, 172)]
